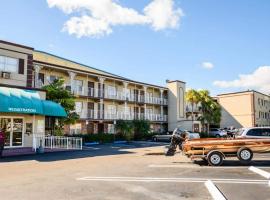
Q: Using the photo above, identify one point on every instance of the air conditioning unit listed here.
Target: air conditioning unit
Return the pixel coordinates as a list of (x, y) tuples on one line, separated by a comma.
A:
[(5, 75)]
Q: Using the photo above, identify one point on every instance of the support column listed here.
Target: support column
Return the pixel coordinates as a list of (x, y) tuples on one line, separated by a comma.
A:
[(37, 70), (126, 96), (71, 78), (161, 106), (101, 81), (145, 91)]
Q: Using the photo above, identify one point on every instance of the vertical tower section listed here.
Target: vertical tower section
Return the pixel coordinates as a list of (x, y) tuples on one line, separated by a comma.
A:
[(176, 103)]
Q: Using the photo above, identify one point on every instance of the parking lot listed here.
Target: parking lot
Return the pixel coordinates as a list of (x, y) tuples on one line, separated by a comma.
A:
[(135, 171)]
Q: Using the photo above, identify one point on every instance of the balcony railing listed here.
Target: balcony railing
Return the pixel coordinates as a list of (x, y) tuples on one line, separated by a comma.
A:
[(98, 114), (117, 95)]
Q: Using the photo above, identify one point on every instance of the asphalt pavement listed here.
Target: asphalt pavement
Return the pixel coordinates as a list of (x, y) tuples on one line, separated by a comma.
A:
[(135, 171)]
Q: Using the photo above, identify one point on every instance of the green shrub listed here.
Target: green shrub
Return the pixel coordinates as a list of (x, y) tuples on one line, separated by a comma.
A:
[(126, 128), (100, 137), (141, 129)]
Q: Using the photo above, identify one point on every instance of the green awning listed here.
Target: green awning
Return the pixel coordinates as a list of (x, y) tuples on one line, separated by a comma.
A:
[(13, 100)]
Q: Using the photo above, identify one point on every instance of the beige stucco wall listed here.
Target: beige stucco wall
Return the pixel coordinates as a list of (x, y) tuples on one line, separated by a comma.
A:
[(237, 110), (262, 108), (176, 102), (19, 53)]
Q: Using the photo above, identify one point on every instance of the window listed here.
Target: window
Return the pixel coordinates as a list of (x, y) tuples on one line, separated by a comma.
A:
[(128, 93), (78, 85), (111, 90), (75, 128), (52, 78), (9, 64), (265, 132), (78, 107), (255, 132), (111, 109), (111, 128)]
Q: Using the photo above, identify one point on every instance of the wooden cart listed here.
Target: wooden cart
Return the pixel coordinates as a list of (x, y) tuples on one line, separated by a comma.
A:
[(214, 151)]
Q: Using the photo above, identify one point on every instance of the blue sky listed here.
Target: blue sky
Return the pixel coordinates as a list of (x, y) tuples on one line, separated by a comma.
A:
[(232, 35)]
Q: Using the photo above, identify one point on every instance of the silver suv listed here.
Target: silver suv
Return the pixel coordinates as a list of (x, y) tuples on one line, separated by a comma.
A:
[(217, 132), (254, 132)]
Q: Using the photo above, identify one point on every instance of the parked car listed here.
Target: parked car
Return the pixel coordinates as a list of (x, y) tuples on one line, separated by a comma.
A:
[(162, 138), (217, 132), (167, 137), (254, 132)]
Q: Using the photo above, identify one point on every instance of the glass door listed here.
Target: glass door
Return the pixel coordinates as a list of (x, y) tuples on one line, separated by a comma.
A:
[(17, 132), (5, 125), (13, 128)]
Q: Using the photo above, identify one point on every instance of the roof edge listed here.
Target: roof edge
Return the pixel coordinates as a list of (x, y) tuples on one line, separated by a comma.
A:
[(16, 44)]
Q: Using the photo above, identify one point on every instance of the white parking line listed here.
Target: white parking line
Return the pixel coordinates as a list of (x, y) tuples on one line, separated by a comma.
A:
[(214, 191), (178, 180), (263, 173)]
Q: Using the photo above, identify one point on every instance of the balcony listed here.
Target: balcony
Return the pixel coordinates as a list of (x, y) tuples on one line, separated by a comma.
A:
[(156, 100), (196, 108), (97, 115)]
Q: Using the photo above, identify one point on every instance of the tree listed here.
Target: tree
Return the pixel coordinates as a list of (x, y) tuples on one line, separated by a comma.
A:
[(210, 109), (141, 128), (192, 97), (56, 92), (126, 128)]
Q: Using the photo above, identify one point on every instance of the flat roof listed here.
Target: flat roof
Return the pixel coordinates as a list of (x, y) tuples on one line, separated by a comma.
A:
[(15, 44), (241, 92)]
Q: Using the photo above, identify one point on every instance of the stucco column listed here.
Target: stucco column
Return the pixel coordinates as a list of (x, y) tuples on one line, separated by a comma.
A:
[(126, 96), (71, 79), (161, 100), (101, 81), (37, 70), (145, 92)]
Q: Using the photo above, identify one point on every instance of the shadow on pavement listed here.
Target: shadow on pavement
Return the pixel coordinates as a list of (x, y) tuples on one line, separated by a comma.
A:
[(92, 151), (237, 163)]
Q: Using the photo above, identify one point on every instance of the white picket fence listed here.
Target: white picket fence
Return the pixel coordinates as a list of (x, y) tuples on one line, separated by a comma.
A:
[(57, 142)]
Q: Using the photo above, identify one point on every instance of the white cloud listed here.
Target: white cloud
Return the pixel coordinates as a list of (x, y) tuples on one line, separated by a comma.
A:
[(258, 80), (207, 65), (96, 18), (162, 14)]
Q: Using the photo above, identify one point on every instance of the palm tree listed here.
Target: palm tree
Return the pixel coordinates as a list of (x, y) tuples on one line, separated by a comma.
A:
[(210, 109), (192, 97)]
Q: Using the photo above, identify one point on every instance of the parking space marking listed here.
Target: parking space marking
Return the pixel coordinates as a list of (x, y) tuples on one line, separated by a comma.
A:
[(261, 172), (177, 180), (214, 191)]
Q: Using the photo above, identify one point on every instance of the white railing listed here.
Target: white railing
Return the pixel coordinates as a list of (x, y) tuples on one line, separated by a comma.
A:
[(95, 114), (156, 100), (78, 90), (57, 142)]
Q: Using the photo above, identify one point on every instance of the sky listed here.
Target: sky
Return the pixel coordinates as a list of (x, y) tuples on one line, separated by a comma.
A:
[(222, 46)]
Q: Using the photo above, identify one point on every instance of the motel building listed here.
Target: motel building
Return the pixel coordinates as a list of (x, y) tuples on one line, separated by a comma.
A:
[(101, 98), (23, 109)]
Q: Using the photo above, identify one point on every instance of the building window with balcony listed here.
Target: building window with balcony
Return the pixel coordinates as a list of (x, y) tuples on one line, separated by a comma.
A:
[(8, 64), (52, 78), (78, 107), (111, 91), (128, 92), (78, 86)]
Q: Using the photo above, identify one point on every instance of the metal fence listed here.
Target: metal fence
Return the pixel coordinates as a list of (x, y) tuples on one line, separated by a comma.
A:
[(57, 142)]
